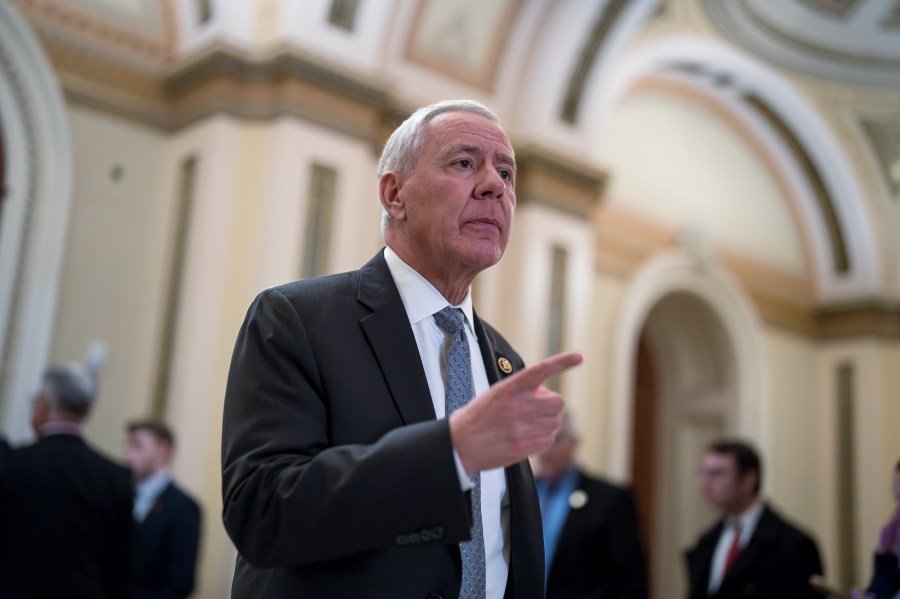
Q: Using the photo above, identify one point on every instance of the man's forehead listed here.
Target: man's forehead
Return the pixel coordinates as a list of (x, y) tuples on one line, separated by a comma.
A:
[(463, 124), (723, 459)]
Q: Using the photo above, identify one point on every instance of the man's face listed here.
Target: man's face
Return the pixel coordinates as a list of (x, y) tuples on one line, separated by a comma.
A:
[(145, 454), (40, 410), (458, 202), (723, 486), (554, 461)]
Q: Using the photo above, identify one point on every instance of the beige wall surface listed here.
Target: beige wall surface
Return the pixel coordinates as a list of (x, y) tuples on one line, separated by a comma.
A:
[(112, 286), (594, 407), (247, 234), (677, 163), (790, 478)]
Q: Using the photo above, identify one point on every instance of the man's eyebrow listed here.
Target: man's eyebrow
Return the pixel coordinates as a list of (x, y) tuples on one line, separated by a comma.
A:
[(506, 160), (463, 148)]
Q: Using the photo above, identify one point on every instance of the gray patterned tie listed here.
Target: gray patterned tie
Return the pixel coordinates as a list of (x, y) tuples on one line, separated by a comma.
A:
[(460, 389)]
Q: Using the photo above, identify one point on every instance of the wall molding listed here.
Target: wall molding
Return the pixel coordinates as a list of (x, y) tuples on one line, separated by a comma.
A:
[(545, 177), (783, 301)]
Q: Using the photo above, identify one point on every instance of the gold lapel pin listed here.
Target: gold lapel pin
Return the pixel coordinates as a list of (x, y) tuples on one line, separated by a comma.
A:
[(504, 364)]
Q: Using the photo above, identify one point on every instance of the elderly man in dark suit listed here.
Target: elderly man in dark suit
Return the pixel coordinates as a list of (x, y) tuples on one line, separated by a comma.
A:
[(342, 476), (592, 539), (66, 511), (167, 534), (752, 553)]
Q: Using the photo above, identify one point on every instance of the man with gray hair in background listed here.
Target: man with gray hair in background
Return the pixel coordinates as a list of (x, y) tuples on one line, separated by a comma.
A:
[(65, 510)]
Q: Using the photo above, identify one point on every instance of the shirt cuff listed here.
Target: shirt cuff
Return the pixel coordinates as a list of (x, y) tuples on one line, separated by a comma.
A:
[(465, 481)]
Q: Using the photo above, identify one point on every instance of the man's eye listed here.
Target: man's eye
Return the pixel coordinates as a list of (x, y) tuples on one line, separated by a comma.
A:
[(506, 175), (465, 163)]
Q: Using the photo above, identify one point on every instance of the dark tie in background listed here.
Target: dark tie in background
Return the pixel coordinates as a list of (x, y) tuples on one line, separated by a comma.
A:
[(460, 389)]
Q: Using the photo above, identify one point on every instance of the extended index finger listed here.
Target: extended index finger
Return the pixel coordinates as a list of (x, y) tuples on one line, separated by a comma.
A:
[(534, 376)]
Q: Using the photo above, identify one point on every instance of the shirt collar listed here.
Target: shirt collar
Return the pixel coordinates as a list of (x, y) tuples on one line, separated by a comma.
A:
[(748, 519), (420, 298), (60, 427), (154, 484)]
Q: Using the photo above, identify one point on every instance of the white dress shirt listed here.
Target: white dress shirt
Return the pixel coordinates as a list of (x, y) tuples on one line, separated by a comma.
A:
[(146, 492), (422, 301), (747, 520)]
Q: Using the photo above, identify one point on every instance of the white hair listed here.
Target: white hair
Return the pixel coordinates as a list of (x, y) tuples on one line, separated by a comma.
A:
[(71, 388)]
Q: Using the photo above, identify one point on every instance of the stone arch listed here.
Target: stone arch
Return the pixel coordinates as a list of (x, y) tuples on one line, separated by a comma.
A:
[(789, 128), (35, 214), (712, 380)]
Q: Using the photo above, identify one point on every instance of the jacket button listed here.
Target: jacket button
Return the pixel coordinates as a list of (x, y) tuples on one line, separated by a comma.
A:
[(435, 596)]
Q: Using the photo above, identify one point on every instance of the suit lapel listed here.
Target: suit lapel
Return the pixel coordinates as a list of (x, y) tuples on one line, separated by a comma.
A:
[(700, 561), (489, 354), (526, 542), (391, 337)]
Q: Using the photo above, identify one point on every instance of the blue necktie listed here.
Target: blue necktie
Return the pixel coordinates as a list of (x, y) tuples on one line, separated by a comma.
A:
[(460, 389)]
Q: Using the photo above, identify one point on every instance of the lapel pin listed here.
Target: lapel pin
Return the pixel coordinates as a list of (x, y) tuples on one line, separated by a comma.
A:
[(504, 364), (578, 499)]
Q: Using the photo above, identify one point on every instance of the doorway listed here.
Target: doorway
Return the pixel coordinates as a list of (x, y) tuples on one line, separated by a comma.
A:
[(685, 396)]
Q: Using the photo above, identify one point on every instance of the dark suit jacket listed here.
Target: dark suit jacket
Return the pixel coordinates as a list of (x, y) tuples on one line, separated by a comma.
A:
[(165, 548), (599, 554), (776, 563), (66, 523), (338, 481)]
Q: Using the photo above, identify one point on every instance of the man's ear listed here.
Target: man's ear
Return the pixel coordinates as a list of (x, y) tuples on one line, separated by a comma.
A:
[(748, 482), (389, 192)]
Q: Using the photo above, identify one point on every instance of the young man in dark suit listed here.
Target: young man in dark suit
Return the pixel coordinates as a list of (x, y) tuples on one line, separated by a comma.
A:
[(65, 513), (342, 477), (167, 533), (752, 553), (592, 538)]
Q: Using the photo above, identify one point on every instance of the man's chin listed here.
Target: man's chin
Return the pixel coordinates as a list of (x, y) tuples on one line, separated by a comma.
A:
[(482, 253)]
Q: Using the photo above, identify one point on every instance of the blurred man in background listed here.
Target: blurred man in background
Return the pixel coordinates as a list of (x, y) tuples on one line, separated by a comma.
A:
[(752, 553), (167, 533), (66, 510), (592, 540)]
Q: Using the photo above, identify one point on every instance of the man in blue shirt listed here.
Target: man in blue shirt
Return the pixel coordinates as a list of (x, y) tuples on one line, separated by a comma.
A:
[(592, 544)]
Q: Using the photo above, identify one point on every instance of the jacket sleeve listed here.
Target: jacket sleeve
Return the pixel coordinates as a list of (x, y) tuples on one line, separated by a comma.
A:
[(290, 497)]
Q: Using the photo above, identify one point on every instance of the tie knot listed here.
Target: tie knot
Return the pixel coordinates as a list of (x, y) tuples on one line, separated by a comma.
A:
[(449, 319)]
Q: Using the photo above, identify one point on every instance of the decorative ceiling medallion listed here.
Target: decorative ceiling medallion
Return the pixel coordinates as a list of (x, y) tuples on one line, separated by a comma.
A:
[(854, 41)]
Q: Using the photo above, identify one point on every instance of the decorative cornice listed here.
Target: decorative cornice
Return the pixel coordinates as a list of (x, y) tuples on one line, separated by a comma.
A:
[(284, 81), (870, 317), (224, 79), (557, 181), (783, 301)]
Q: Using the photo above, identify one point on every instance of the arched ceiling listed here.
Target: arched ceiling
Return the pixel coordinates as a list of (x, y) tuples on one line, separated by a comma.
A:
[(855, 41)]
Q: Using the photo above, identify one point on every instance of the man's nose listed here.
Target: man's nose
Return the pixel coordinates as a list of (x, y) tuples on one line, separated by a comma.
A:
[(490, 183)]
